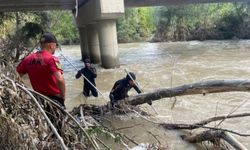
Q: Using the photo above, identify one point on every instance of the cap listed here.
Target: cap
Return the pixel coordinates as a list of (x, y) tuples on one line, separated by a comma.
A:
[(86, 60), (130, 75), (48, 38)]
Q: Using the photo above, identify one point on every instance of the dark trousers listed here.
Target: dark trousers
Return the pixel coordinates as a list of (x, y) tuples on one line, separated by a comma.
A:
[(88, 88), (112, 99), (57, 99), (54, 114)]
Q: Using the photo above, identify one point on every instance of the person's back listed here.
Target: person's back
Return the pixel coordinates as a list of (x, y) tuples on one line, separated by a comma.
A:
[(39, 67), (44, 70), (121, 88), (45, 73)]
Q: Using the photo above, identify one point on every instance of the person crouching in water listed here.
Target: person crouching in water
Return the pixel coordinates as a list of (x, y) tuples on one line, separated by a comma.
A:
[(121, 88), (90, 73)]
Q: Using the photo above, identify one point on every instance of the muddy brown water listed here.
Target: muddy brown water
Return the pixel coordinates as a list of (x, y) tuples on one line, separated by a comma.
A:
[(171, 64)]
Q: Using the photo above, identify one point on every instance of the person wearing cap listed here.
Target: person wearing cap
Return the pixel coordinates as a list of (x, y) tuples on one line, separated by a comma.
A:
[(45, 70), (89, 72), (46, 75), (121, 88)]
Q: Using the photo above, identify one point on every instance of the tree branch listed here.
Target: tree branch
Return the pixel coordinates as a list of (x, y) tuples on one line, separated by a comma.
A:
[(213, 86)]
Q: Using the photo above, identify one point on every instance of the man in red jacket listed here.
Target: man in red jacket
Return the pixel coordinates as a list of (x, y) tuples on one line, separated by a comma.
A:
[(44, 70), (46, 75)]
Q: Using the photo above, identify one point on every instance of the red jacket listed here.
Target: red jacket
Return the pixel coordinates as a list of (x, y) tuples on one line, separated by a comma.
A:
[(40, 67)]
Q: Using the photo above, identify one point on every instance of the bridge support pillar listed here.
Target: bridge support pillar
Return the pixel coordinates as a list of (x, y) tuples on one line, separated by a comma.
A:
[(102, 46), (108, 43), (83, 42), (248, 7), (93, 44)]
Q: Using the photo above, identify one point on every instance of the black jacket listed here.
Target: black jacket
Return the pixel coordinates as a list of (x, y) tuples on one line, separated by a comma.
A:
[(121, 88), (89, 73)]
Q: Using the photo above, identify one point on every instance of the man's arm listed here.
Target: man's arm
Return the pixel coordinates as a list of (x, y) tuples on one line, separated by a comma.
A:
[(79, 74), (60, 83), (21, 69)]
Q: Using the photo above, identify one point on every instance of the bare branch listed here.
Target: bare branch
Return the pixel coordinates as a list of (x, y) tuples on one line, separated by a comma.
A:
[(213, 86)]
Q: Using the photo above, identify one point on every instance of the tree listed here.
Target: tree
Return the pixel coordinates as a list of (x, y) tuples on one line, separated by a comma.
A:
[(137, 24)]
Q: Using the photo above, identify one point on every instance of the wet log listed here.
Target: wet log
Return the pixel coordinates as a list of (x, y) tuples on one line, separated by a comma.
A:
[(204, 87), (213, 136), (233, 141), (203, 136)]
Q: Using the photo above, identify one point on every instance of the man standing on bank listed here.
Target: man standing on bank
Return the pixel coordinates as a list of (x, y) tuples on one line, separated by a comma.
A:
[(44, 70), (88, 72), (121, 88)]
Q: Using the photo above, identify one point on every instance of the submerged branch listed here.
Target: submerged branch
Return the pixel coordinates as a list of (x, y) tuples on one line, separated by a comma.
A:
[(202, 123)]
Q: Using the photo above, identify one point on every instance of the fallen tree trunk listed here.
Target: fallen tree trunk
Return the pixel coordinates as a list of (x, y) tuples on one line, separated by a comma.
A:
[(233, 141), (203, 136), (213, 86), (214, 136)]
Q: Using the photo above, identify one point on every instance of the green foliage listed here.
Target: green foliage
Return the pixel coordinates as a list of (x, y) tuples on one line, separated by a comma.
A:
[(33, 24), (135, 25), (31, 30), (203, 21), (183, 22), (63, 26)]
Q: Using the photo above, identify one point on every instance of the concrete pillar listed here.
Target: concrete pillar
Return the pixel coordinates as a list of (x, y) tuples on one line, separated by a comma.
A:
[(93, 44), (84, 42), (248, 7), (108, 43)]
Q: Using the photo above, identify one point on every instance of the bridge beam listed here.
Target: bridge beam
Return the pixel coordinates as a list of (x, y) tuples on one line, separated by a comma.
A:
[(248, 7)]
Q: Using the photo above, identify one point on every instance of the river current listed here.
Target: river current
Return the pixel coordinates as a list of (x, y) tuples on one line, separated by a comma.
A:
[(166, 65)]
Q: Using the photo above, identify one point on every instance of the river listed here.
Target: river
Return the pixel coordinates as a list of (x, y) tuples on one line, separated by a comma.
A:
[(171, 64)]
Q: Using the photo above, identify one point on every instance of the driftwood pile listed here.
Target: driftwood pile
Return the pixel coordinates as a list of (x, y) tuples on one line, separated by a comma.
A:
[(214, 135), (21, 116), (24, 123), (219, 137)]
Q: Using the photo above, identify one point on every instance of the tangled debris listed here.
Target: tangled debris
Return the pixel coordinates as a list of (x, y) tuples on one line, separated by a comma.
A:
[(26, 127), (23, 124)]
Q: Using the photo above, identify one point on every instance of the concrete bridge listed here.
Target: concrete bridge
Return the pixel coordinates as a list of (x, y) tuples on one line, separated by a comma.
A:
[(96, 21)]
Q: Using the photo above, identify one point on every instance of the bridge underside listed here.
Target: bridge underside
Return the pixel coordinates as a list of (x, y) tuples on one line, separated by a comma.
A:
[(41, 5), (143, 3), (37, 5)]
